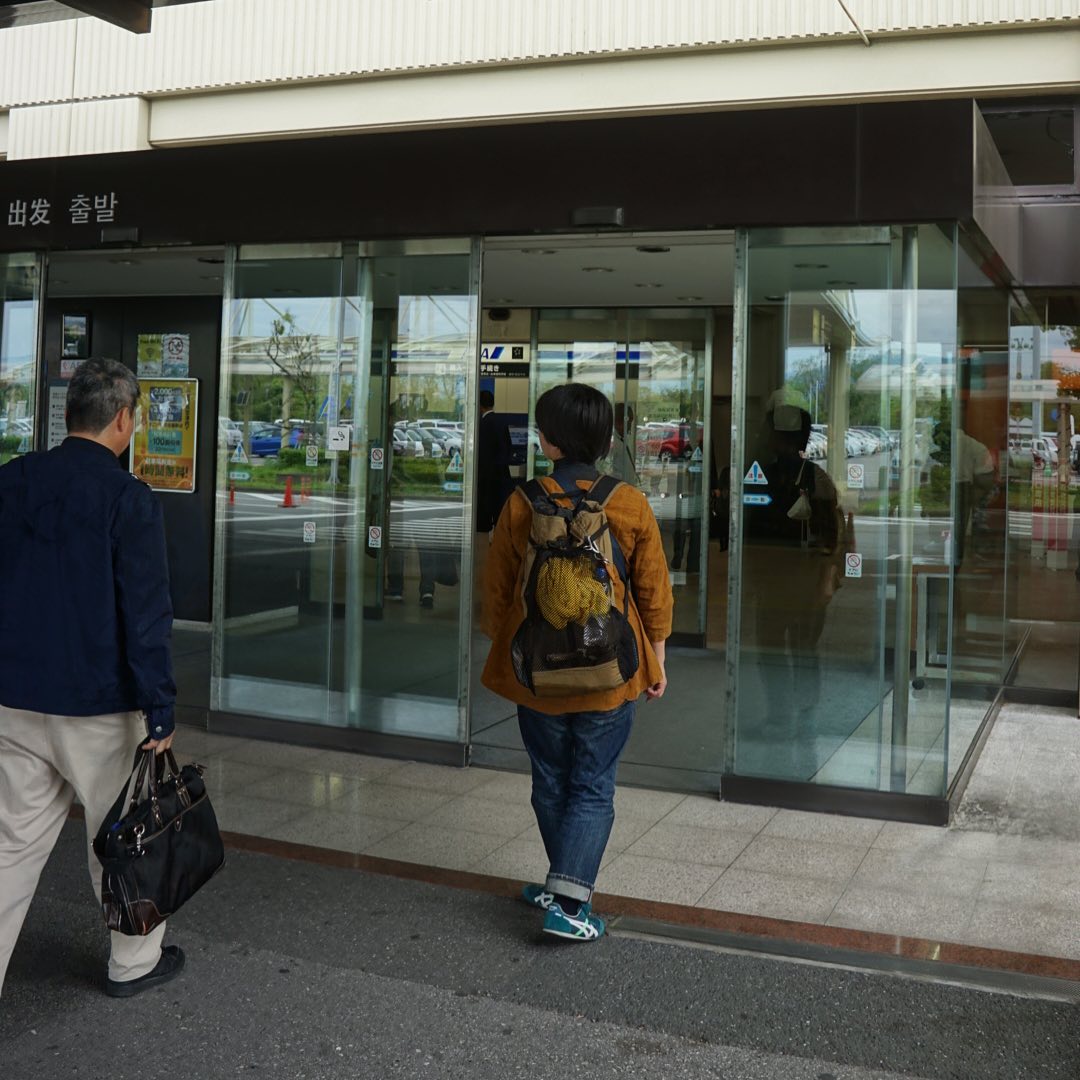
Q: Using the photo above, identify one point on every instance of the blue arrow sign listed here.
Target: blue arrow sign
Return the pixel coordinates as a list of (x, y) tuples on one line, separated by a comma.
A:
[(756, 500)]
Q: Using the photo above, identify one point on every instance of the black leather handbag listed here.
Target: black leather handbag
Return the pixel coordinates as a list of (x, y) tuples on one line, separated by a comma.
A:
[(158, 845)]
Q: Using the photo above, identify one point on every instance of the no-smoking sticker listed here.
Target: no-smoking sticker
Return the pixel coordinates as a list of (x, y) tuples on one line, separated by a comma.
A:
[(853, 565), (856, 475), (309, 532), (374, 536), (378, 456)]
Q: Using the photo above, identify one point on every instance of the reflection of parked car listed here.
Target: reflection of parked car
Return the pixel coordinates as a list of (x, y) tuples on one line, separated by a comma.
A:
[(265, 440), (230, 432), (432, 447), (405, 446), (1044, 450), (671, 441)]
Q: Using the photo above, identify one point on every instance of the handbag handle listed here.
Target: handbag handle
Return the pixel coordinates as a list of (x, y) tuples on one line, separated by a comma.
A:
[(142, 774)]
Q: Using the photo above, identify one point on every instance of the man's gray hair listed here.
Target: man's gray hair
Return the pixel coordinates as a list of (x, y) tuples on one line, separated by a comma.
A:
[(99, 389)]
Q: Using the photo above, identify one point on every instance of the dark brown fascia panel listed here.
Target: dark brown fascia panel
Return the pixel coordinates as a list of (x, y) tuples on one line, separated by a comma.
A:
[(133, 15)]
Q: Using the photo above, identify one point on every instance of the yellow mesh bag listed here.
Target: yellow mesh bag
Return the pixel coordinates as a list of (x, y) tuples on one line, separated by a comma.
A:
[(567, 591)]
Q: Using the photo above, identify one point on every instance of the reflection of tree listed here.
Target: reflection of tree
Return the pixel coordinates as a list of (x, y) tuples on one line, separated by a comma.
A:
[(811, 379), (294, 354)]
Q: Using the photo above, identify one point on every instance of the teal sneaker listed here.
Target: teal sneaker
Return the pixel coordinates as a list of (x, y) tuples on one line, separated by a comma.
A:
[(584, 926), (537, 896)]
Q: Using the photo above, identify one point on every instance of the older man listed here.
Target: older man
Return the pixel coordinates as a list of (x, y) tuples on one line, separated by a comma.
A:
[(85, 667)]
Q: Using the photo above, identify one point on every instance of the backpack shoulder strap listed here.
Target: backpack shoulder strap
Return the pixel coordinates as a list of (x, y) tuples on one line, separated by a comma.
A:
[(533, 490), (603, 488)]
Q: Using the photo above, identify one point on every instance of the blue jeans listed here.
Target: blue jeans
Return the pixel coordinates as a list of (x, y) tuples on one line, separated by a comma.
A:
[(574, 757)]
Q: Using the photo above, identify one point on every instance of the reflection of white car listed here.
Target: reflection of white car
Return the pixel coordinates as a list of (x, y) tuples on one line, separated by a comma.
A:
[(1044, 450), (230, 431), (406, 447)]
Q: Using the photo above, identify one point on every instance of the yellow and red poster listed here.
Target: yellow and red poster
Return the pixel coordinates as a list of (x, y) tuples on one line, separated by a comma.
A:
[(163, 449)]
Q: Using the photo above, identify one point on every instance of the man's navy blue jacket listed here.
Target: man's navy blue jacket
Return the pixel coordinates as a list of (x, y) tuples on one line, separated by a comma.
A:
[(85, 610)]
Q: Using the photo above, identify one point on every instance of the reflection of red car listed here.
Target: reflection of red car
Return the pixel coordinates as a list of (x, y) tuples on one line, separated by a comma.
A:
[(670, 442)]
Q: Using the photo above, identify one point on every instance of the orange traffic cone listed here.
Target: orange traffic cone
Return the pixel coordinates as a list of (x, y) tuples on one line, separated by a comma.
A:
[(288, 501)]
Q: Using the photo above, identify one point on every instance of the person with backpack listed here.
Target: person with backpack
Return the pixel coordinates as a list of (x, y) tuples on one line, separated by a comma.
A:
[(578, 606)]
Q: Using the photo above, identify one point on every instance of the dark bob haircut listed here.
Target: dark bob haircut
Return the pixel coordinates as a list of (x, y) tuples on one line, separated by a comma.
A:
[(577, 419)]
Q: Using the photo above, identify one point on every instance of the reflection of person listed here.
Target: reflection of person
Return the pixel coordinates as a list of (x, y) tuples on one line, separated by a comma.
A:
[(493, 481), (792, 567), (574, 743), (975, 481), (621, 456), (85, 662), (434, 565)]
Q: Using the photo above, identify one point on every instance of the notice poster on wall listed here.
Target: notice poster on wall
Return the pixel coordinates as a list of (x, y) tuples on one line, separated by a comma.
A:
[(165, 355), (163, 450), (57, 431)]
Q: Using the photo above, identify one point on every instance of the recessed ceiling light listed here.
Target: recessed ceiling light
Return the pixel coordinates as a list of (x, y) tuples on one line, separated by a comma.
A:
[(386, 273), (598, 270), (209, 277), (775, 298), (811, 266), (840, 283), (538, 251), (213, 260), (503, 300), (652, 249), (690, 299), (648, 285)]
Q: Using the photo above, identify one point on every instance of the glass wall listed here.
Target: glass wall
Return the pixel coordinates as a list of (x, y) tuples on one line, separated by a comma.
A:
[(341, 508), (843, 508), (1043, 366), (19, 299)]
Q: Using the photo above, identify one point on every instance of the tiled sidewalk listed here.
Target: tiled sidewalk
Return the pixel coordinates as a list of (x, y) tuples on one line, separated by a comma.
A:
[(1006, 875)]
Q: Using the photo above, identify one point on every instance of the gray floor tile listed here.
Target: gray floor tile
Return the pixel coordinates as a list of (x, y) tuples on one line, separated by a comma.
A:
[(643, 803), (522, 859), (709, 813), (441, 778), (916, 872), (657, 879), (939, 918), (339, 832), (801, 858), (389, 801), (243, 814), (228, 775), (430, 846), (828, 828), (304, 789), (1023, 928), (343, 763), (475, 814), (271, 754), (689, 843), (514, 788), (774, 896)]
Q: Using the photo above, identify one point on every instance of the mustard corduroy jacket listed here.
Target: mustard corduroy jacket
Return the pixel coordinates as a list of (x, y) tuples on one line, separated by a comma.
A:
[(634, 526)]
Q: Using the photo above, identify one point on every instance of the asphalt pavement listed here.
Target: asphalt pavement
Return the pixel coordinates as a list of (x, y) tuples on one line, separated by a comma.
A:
[(298, 971)]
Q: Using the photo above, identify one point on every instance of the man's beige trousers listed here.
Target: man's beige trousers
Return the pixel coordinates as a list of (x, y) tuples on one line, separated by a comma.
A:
[(45, 761)]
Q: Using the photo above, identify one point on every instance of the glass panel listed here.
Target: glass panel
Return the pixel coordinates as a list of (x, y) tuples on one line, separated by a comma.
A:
[(277, 485), (398, 640), (664, 395), (340, 552), (846, 502), (1044, 458), (1037, 144), (19, 298)]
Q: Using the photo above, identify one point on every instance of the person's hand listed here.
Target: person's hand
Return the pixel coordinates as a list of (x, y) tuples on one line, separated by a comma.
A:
[(657, 689), (159, 746)]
